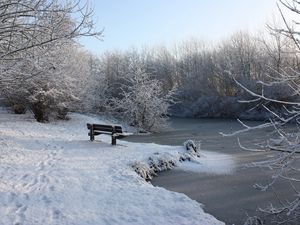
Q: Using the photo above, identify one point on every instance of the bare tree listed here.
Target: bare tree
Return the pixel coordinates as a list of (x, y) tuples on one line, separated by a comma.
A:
[(27, 24), (287, 141)]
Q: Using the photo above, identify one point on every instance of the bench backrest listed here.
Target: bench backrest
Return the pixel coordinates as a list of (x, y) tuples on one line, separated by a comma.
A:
[(105, 128)]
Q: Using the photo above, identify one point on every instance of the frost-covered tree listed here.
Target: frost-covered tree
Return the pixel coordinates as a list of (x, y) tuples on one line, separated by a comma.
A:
[(25, 24), (95, 91), (53, 85), (142, 102), (36, 42), (285, 166), (52, 93), (161, 63)]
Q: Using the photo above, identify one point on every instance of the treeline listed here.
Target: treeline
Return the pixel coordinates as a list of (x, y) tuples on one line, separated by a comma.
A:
[(43, 70), (199, 78)]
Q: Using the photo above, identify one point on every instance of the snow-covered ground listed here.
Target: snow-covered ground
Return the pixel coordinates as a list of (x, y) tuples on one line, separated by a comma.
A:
[(52, 174)]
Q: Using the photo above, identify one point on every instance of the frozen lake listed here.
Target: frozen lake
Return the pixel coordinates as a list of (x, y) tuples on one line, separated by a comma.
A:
[(225, 185)]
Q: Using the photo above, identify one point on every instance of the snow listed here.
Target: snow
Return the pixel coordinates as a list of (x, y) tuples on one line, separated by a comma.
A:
[(211, 163), (52, 174)]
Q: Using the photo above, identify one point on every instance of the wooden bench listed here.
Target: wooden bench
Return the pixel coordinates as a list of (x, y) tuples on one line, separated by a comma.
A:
[(114, 130)]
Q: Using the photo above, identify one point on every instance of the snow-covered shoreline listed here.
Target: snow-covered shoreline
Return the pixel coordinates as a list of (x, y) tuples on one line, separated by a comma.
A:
[(52, 174)]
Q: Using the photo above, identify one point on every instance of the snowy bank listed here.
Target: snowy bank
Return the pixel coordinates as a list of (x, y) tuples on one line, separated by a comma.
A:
[(52, 174), (197, 161), (158, 162)]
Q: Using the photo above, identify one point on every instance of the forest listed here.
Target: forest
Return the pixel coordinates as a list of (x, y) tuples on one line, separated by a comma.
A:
[(45, 70)]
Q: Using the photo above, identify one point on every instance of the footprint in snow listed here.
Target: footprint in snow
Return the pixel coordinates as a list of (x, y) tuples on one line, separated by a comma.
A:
[(20, 217), (21, 208), (43, 179), (41, 166), (11, 197), (31, 184), (52, 188), (56, 214), (25, 176), (46, 200)]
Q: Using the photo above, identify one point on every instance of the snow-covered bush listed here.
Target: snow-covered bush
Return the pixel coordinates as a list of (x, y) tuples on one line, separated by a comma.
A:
[(142, 102), (193, 147), (47, 102), (159, 162), (51, 93)]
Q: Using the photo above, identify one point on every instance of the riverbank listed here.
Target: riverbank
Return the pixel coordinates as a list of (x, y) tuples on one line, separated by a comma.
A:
[(228, 196), (52, 174)]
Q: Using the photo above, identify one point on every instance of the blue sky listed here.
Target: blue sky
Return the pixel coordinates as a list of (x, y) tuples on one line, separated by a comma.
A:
[(138, 23)]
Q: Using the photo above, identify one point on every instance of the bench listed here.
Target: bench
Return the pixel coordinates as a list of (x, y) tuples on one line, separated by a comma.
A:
[(114, 130)]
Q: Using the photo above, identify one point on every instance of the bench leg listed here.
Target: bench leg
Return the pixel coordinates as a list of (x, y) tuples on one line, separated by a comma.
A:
[(92, 137), (113, 140)]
